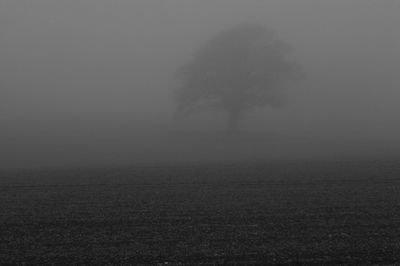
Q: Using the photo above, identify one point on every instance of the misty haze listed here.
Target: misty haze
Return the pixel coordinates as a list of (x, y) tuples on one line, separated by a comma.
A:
[(92, 82), (220, 108)]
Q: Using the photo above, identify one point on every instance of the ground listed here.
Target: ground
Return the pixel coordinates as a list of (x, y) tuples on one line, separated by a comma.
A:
[(304, 213)]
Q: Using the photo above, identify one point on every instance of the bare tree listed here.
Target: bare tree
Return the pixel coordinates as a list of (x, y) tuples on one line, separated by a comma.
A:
[(236, 71)]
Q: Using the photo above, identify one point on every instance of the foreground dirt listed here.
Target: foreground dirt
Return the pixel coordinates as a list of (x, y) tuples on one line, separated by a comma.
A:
[(321, 214)]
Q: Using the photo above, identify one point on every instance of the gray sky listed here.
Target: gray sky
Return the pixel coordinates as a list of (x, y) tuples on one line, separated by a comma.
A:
[(90, 81)]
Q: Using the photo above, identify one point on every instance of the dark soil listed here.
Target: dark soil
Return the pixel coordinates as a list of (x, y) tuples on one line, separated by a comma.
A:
[(248, 214)]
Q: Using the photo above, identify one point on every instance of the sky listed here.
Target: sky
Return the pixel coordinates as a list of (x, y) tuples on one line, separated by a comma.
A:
[(90, 82)]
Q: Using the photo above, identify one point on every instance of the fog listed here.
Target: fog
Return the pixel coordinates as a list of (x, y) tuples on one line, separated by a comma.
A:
[(90, 82)]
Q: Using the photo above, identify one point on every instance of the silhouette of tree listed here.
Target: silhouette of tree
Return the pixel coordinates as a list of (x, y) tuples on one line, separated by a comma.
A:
[(236, 71)]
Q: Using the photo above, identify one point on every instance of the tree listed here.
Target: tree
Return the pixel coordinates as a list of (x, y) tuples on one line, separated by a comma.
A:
[(235, 71)]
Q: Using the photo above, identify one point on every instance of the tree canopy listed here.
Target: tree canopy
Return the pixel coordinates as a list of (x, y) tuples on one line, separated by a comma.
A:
[(235, 71)]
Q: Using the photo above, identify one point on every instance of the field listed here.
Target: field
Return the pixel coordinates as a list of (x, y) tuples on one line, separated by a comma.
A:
[(308, 213)]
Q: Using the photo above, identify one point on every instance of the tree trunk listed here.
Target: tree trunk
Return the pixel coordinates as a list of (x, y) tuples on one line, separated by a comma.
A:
[(233, 120)]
